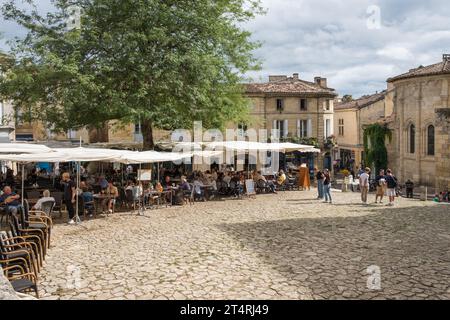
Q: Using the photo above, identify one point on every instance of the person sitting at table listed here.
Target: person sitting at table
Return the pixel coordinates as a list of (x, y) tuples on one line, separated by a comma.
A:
[(227, 178), (159, 188), (184, 184), (281, 178), (46, 197), (103, 182), (257, 176), (88, 201), (113, 193), (11, 200), (167, 183), (198, 190)]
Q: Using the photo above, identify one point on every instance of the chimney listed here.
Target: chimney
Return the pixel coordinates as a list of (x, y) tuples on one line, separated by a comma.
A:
[(277, 78), (295, 76), (446, 57), (321, 81)]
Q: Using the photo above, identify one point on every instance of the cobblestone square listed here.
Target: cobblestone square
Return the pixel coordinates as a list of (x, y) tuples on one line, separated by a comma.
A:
[(285, 246)]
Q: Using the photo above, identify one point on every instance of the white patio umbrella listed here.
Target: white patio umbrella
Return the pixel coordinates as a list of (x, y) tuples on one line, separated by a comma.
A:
[(9, 148), (289, 147)]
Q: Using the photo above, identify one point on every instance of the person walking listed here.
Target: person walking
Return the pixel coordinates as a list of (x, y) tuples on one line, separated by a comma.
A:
[(391, 183), (320, 178), (364, 184), (381, 186), (327, 185)]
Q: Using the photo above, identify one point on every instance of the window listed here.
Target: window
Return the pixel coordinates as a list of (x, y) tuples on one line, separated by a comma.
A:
[(282, 126), (280, 104), (24, 137), (341, 127), (302, 128), (71, 134), (327, 128), (137, 128), (303, 104), (242, 129), (430, 140), (327, 105), (412, 138)]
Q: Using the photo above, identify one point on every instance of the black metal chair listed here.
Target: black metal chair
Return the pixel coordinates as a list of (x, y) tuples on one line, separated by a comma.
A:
[(58, 196)]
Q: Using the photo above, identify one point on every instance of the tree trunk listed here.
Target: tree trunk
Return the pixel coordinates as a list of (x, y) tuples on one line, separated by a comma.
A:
[(147, 134), (97, 135)]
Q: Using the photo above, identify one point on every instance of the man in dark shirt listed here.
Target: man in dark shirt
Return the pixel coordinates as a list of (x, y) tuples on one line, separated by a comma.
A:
[(409, 185), (69, 195), (10, 199)]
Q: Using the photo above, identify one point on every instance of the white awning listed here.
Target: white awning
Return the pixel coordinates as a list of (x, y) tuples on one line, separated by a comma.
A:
[(289, 147), (10, 148), (243, 146)]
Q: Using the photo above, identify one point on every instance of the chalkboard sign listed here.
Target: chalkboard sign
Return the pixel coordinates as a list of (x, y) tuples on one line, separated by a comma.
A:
[(250, 187)]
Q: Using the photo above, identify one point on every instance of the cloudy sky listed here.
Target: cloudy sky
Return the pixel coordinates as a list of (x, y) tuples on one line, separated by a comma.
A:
[(342, 40)]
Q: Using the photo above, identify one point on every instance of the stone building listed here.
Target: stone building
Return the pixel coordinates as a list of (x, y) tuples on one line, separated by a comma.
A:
[(297, 108), (350, 118), (420, 121)]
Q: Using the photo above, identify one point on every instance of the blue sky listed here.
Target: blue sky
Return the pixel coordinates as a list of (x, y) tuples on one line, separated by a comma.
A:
[(332, 38)]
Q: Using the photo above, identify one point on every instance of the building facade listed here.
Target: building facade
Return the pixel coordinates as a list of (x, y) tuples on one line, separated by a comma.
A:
[(350, 119), (299, 109), (420, 122)]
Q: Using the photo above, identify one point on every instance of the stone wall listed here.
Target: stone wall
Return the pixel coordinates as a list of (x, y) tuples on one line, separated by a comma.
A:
[(416, 102)]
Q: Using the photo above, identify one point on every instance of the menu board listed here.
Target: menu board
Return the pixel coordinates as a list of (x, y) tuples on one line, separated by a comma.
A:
[(250, 187), (145, 175)]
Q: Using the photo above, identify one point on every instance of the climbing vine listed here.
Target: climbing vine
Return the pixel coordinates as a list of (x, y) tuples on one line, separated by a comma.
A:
[(375, 145)]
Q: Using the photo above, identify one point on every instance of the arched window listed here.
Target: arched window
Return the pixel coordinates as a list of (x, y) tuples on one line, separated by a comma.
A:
[(430, 140), (412, 139)]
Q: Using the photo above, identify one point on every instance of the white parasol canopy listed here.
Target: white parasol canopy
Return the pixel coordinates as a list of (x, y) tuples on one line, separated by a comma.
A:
[(289, 147), (9, 148), (244, 146)]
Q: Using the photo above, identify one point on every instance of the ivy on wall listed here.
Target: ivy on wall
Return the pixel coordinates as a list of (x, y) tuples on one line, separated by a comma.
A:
[(375, 145)]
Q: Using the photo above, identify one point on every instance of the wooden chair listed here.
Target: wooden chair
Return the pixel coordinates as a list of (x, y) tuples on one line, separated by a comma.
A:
[(24, 231), (10, 253), (20, 280), (15, 234), (10, 243), (36, 220)]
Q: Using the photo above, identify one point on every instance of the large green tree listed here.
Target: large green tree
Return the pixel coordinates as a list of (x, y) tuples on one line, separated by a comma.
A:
[(164, 63)]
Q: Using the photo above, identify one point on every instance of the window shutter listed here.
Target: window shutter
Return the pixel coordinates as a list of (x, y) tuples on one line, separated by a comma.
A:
[(309, 128), (274, 127), (299, 132), (286, 128)]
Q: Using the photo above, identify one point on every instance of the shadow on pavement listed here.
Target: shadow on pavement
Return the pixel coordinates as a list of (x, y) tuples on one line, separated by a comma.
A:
[(330, 256)]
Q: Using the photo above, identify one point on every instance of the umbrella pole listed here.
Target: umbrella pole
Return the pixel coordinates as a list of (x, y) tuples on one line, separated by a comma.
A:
[(77, 218), (140, 209), (158, 172), (23, 183)]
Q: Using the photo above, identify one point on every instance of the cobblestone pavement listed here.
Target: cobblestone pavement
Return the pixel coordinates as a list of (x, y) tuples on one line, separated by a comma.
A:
[(285, 246)]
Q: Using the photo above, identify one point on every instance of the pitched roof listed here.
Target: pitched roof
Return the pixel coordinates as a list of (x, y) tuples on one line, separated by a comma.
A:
[(289, 85), (434, 69), (362, 102)]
